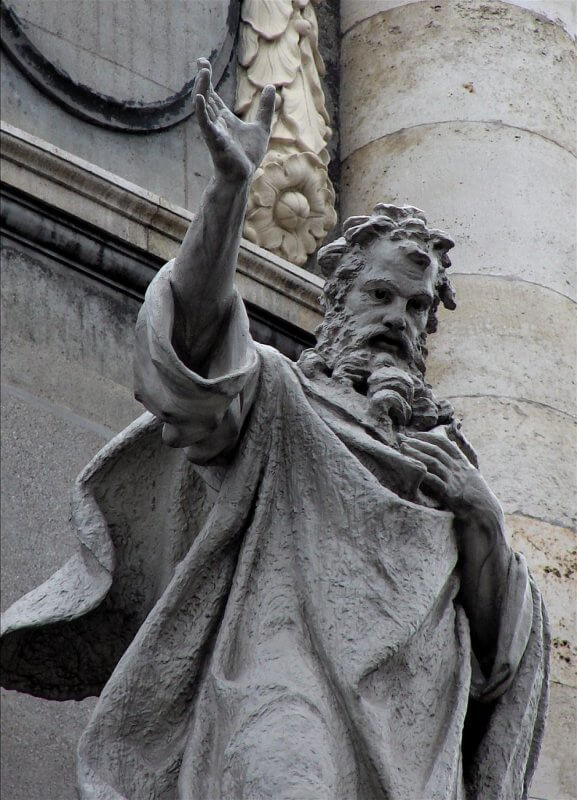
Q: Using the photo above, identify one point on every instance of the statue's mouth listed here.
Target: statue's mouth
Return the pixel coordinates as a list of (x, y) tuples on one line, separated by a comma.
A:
[(389, 343)]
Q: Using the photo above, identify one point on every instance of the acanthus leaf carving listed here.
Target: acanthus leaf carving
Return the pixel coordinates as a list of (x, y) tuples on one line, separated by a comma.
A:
[(291, 203), (268, 18), (300, 112), (280, 58), (248, 42)]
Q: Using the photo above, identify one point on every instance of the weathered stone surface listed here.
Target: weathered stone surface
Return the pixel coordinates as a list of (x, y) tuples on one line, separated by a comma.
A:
[(481, 45), (526, 452), (486, 184), (170, 163), (38, 746), (556, 775), (158, 162), (353, 11), (75, 337), (104, 44), (551, 553), (506, 338), (44, 446), (561, 11)]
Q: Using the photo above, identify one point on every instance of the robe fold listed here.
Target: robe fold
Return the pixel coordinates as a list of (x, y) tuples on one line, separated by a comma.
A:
[(271, 611)]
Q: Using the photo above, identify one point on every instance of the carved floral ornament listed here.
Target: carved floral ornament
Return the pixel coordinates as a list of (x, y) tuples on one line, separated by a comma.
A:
[(291, 204)]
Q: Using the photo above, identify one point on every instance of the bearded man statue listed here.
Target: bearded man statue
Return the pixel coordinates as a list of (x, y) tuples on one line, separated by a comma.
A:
[(292, 580)]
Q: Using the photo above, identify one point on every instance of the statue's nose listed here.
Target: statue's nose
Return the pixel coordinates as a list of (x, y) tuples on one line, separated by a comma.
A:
[(396, 323)]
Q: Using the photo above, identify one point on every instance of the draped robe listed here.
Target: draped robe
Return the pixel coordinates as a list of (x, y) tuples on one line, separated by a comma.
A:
[(272, 611)]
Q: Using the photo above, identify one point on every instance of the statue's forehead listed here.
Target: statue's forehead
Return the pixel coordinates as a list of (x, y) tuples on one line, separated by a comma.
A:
[(391, 260)]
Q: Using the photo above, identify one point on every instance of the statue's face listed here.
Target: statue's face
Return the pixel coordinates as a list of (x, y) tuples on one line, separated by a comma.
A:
[(390, 298)]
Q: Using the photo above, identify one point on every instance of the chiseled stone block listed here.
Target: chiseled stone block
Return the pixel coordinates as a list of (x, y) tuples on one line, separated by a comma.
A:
[(527, 454), (551, 553), (506, 338), (562, 12), (499, 63)]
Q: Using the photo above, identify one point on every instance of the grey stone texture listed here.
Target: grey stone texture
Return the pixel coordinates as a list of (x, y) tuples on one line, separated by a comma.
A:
[(480, 43), (74, 339), (74, 335), (92, 41), (552, 553), (508, 318), (107, 44), (44, 446)]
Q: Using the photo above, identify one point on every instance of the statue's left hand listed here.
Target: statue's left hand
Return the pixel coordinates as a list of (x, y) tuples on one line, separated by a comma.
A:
[(480, 526), (451, 478)]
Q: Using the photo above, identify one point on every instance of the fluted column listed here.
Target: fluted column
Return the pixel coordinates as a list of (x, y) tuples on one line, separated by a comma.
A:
[(467, 110)]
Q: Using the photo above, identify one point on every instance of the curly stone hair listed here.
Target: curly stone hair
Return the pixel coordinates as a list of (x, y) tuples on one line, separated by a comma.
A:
[(396, 223)]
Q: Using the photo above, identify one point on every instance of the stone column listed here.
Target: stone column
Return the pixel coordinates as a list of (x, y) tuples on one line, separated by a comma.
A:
[(466, 110)]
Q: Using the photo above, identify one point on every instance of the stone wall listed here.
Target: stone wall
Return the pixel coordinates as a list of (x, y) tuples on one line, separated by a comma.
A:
[(121, 51), (66, 374)]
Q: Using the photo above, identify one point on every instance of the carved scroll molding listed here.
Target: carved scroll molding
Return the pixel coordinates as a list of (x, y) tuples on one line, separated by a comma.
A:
[(291, 204)]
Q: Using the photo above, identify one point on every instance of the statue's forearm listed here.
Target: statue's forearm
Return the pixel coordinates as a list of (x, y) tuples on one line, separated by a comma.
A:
[(485, 558), (203, 273)]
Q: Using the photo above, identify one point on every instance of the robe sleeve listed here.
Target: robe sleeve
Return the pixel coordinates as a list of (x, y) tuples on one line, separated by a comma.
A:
[(515, 627), (202, 413)]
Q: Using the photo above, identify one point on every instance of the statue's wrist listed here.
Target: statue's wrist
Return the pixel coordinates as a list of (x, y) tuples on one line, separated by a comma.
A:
[(236, 185)]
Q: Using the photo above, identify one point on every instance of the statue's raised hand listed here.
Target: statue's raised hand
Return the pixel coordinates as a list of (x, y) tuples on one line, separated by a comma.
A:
[(236, 147)]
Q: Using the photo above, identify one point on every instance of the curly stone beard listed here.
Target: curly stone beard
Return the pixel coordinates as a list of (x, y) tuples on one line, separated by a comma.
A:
[(392, 379)]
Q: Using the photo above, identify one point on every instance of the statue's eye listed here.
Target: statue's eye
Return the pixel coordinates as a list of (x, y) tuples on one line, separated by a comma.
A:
[(381, 294), (418, 304)]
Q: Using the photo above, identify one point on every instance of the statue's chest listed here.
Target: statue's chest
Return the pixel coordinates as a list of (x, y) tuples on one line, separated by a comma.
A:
[(374, 445)]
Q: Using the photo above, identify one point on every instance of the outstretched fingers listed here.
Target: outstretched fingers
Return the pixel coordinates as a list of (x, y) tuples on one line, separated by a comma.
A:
[(213, 136), (265, 110), (204, 64), (202, 82), (217, 100)]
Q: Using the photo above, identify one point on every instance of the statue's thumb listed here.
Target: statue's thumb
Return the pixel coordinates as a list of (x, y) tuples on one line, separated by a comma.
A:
[(266, 106)]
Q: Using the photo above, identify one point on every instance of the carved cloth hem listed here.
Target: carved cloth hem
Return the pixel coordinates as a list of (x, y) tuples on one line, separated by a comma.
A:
[(276, 624)]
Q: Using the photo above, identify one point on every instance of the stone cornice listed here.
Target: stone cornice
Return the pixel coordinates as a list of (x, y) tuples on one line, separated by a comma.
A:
[(146, 221)]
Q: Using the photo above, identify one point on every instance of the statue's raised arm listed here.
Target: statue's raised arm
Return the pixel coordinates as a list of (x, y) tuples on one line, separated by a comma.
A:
[(203, 273), (195, 365)]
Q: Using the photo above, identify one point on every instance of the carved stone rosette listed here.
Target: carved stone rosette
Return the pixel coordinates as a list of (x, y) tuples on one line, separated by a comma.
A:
[(291, 204)]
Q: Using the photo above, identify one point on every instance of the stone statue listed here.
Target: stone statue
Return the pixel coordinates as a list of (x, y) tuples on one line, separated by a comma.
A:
[(292, 580)]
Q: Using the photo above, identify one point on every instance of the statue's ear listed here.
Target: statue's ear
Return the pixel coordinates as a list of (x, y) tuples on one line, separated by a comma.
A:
[(432, 319), (447, 294), (329, 256)]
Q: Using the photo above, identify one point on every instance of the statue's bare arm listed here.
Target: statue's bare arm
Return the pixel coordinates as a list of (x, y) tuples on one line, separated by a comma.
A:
[(483, 550), (203, 272)]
